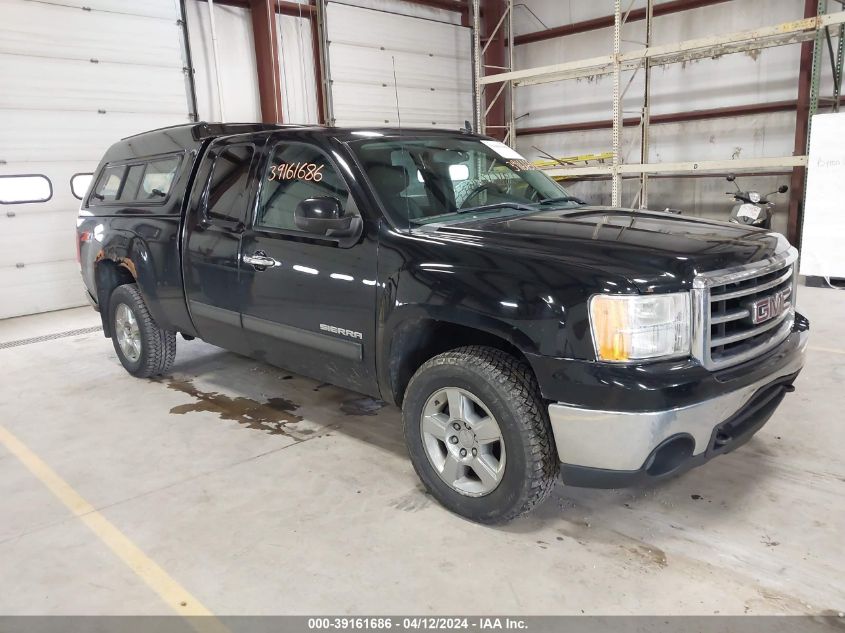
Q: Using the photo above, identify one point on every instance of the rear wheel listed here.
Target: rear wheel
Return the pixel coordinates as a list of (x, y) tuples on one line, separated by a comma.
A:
[(144, 349), (479, 435)]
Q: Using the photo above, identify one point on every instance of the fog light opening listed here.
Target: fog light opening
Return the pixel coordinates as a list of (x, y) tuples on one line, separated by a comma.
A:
[(670, 455)]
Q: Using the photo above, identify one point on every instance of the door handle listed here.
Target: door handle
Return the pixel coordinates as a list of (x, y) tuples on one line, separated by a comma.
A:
[(260, 260)]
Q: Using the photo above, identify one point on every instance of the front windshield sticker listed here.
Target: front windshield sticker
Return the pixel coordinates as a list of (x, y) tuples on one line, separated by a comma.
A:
[(296, 171), (503, 150)]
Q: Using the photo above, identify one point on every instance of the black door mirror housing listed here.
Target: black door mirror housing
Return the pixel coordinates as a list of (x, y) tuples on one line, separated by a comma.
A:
[(323, 216), (783, 189)]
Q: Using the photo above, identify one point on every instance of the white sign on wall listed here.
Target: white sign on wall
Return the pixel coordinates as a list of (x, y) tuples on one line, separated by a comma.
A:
[(823, 243)]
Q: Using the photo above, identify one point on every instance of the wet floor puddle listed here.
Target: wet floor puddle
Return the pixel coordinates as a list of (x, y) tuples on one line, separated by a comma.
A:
[(271, 416)]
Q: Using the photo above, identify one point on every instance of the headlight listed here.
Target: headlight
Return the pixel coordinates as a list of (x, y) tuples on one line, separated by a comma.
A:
[(639, 327)]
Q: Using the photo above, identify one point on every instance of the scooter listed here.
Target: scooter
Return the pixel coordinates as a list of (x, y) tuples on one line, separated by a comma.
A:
[(752, 208)]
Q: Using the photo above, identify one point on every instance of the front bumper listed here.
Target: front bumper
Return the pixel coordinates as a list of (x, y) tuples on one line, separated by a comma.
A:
[(619, 448)]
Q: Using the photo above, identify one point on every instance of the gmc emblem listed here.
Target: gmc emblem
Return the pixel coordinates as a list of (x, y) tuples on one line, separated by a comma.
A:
[(770, 307)]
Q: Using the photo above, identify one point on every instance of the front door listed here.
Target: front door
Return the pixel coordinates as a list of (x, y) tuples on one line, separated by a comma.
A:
[(309, 301), (214, 228)]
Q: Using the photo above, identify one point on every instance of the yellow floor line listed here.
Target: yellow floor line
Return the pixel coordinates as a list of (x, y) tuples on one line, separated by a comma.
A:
[(174, 594), (826, 349)]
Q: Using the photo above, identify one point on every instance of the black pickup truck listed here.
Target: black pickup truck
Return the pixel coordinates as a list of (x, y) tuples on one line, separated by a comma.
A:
[(526, 335)]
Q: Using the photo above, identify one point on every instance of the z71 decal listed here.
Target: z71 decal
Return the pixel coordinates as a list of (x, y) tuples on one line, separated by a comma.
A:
[(297, 171)]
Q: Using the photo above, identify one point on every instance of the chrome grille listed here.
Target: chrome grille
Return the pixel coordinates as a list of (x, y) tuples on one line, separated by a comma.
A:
[(724, 331)]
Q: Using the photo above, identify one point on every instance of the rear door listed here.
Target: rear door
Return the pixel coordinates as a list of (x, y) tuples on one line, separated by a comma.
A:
[(214, 229), (312, 310)]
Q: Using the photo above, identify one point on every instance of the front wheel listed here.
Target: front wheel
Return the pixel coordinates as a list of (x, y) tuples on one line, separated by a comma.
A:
[(144, 349), (478, 434)]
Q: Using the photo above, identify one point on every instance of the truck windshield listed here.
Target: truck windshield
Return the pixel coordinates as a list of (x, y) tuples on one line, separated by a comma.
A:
[(421, 180)]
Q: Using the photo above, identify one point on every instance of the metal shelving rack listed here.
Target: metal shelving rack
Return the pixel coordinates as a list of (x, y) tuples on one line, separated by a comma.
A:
[(814, 28), (506, 88)]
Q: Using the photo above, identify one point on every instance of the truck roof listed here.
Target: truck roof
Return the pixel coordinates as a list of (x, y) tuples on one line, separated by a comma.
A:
[(193, 135), (204, 129), (207, 129)]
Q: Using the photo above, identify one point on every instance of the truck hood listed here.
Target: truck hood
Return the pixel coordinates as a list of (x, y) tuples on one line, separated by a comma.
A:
[(655, 251)]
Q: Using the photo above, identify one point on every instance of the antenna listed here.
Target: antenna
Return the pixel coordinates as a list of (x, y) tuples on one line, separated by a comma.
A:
[(396, 91)]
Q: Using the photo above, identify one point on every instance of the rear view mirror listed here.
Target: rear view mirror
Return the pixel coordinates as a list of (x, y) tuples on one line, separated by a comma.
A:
[(322, 216), (730, 178), (449, 157), (783, 189)]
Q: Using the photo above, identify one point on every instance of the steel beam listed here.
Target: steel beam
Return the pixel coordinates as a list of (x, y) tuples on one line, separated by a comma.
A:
[(190, 80), (459, 6), (672, 117), (713, 46), (317, 54), (802, 121), (267, 58), (683, 175), (282, 7), (477, 69), (616, 181), (646, 112), (664, 8), (730, 166), (493, 55), (837, 61)]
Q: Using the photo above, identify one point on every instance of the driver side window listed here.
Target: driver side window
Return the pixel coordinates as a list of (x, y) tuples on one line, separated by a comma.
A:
[(295, 173)]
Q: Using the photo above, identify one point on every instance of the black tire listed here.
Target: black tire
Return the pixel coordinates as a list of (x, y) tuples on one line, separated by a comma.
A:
[(507, 388), (158, 347)]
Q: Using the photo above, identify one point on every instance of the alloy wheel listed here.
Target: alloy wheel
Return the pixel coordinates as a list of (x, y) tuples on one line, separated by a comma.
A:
[(128, 333), (463, 442)]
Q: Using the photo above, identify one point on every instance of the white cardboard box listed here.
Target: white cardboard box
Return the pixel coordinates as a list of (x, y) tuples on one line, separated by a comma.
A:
[(823, 243)]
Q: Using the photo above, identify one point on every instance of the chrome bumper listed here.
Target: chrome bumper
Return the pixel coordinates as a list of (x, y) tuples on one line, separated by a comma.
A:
[(622, 440)]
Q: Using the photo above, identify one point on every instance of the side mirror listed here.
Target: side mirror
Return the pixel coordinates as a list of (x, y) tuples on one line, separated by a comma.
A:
[(730, 178), (783, 189), (322, 216)]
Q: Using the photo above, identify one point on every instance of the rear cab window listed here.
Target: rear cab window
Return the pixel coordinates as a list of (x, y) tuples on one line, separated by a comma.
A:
[(131, 182), (146, 181), (158, 178), (108, 186)]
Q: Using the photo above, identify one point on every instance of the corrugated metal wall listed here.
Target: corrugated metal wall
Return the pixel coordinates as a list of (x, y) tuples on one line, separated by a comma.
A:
[(76, 76)]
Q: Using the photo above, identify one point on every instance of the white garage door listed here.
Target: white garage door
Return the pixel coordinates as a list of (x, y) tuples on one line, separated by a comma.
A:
[(432, 61), (76, 76)]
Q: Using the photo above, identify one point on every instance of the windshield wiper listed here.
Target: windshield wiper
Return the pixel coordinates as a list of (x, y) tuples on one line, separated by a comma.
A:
[(498, 205), (561, 199)]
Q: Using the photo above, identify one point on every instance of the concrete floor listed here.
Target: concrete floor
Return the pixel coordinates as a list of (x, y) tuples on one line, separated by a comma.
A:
[(307, 506)]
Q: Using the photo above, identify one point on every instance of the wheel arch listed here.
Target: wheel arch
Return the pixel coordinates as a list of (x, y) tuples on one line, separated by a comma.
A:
[(108, 275), (415, 341), (125, 260)]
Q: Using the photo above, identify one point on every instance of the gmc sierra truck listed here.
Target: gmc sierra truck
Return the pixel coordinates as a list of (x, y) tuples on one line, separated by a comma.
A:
[(526, 335)]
